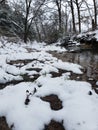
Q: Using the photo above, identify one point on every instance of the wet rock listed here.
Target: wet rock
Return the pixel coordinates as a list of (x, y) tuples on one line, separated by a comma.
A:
[(34, 69), (89, 93), (28, 78), (94, 86), (58, 74), (4, 125), (21, 62), (27, 100), (53, 125), (55, 102), (13, 82), (39, 85)]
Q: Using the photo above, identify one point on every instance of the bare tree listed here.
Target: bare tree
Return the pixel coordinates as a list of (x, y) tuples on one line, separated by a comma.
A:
[(30, 14), (78, 5), (66, 18), (58, 3), (37, 22), (73, 16), (26, 29), (95, 13), (92, 16), (59, 7)]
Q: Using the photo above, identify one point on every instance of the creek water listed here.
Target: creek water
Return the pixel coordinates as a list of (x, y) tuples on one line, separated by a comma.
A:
[(88, 59)]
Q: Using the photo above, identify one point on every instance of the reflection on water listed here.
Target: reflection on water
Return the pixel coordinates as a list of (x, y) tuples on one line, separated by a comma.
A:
[(87, 59)]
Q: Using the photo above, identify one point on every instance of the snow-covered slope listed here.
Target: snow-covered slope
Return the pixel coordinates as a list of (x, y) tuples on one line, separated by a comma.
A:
[(89, 37)]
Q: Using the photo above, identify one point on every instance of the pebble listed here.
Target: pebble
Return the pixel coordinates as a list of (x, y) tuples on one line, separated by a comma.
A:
[(97, 83)]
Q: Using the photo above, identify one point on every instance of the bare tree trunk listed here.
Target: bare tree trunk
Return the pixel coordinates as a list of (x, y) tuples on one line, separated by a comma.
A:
[(66, 20), (44, 32), (38, 32), (25, 29), (73, 17), (58, 3), (70, 29), (28, 4), (66, 24), (79, 19), (93, 25), (95, 13)]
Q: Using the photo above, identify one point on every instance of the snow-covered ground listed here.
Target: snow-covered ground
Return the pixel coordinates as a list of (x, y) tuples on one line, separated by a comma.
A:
[(80, 109)]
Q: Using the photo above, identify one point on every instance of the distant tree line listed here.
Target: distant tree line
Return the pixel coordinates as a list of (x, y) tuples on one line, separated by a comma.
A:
[(47, 20)]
